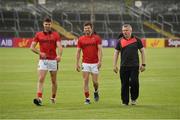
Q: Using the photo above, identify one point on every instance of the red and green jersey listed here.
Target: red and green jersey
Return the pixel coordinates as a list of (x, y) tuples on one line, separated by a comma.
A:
[(47, 43), (89, 46)]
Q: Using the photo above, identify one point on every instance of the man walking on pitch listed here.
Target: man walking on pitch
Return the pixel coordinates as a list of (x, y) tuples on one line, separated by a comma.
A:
[(128, 45), (90, 44), (48, 42)]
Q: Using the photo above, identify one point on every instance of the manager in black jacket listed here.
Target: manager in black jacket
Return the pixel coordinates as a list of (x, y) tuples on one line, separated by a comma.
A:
[(128, 46)]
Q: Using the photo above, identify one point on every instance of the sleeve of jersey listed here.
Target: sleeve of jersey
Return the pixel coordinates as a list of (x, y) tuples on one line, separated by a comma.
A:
[(79, 43), (118, 47), (58, 38), (140, 45), (35, 39), (99, 40)]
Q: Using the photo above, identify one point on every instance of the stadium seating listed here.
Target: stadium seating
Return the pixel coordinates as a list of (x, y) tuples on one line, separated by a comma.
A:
[(108, 18)]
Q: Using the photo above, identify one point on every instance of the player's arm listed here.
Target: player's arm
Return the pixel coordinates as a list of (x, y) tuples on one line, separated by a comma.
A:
[(35, 50), (100, 54), (115, 59), (142, 66), (78, 55), (60, 51), (33, 47)]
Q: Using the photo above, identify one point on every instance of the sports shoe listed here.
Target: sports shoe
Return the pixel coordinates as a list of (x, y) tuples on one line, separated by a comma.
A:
[(87, 101), (53, 100), (96, 96), (124, 104), (133, 102), (37, 101)]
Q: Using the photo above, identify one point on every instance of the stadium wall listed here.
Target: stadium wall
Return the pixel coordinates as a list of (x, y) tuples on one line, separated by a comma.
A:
[(148, 42)]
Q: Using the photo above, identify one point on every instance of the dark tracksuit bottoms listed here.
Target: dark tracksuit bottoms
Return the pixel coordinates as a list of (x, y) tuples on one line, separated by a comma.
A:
[(129, 81)]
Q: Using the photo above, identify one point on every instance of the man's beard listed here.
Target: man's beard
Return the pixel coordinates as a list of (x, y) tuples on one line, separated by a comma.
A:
[(47, 29), (87, 33)]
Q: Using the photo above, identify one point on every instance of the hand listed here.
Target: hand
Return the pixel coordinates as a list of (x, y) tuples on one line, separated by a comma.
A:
[(142, 68), (58, 58), (99, 65), (78, 68), (115, 69), (43, 55)]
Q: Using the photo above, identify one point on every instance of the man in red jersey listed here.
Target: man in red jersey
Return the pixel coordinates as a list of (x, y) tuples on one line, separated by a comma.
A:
[(48, 42), (90, 44)]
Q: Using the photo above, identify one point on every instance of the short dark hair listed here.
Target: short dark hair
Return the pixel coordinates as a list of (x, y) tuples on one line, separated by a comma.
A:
[(88, 23), (47, 19)]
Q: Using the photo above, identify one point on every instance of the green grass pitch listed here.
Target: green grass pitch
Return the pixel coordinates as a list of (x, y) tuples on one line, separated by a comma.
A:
[(159, 88)]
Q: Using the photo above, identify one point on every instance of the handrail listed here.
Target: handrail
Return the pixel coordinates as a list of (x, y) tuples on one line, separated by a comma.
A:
[(44, 10), (68, 22), (62, 31), (169, 25), (159, 30), (139, 12)]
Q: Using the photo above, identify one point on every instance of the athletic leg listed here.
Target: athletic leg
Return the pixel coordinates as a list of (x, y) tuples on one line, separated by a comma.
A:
[(54, 85), (42, 75), (96, 86), (86, 86)]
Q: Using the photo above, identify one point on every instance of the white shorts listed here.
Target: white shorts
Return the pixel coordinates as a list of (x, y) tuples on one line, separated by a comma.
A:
[(50, 65), (92, 68)]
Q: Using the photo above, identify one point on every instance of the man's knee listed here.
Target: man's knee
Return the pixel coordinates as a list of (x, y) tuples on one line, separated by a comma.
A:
[(54, 82), (95, 82), (41, 79)]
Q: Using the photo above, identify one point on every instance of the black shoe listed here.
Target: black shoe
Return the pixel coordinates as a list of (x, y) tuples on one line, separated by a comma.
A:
[(124, 104), (37, 102), (96, 96), (87, 101)]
